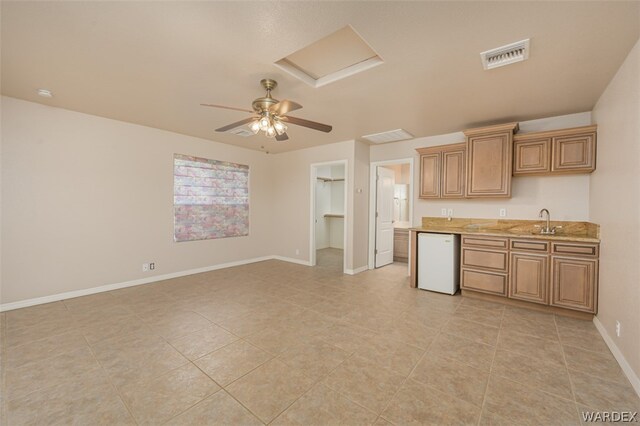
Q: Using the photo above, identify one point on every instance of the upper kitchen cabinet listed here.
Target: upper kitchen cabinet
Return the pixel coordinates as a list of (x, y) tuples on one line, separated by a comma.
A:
[(489, 161), (555, 152), (442, 171)]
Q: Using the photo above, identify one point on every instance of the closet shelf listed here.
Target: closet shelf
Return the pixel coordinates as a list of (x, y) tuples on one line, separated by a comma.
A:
[(327, 179), (334, 215)]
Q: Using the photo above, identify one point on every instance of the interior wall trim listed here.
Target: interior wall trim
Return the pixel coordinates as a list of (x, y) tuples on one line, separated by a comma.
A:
[(109, 287), (626, 368)]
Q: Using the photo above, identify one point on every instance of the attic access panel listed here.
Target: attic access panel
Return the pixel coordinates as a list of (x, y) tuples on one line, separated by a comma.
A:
[(334, 57)]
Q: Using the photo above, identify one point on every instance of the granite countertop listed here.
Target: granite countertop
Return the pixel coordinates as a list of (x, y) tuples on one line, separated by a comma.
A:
[(560, 236)]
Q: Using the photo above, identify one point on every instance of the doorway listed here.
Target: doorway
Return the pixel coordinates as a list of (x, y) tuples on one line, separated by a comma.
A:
[(328, 215), (390, 212)]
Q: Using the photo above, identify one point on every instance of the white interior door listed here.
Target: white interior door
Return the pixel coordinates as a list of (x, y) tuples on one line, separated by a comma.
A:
[(384, 216)]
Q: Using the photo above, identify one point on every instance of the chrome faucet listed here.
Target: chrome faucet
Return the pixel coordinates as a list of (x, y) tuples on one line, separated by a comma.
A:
[(547, 229)]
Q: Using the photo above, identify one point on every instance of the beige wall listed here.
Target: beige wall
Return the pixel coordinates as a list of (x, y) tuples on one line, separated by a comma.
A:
[(566, 197), (87, 200), (361, 206), (615, 205), (292, 198)]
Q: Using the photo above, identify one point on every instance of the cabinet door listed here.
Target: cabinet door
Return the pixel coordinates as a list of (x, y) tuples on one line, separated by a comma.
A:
[(529, 277), (575, 153), (532, 157), (574, 283), (489, 165), (430, 175), (453, 172)]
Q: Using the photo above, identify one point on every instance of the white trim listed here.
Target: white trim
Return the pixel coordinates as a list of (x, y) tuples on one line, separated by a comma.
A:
[(313, 167), (109, 287), (357, 270), (292, 260), (373, 193), (626, 368)]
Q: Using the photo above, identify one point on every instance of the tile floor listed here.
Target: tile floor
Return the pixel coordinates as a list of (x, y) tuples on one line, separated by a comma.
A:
[(279, 343)]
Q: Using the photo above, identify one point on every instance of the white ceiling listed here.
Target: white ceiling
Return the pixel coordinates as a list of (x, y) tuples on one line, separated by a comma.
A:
[(153, 63)]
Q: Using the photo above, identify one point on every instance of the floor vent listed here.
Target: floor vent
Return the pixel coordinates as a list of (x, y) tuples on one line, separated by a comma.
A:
[(390, 136), (505, 55)]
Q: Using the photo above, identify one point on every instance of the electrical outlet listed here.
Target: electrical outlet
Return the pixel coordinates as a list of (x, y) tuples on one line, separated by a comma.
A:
[(443, 212), (618, 328), (503, 212), (145, 267), (152, 266), (450, 212)]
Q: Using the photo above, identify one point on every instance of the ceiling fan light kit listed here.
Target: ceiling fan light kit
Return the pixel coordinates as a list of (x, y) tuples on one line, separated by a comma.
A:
[(271, 115)]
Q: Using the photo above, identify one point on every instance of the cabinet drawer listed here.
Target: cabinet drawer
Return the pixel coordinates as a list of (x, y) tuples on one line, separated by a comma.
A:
[(485, 259), (491, 242), (485, 282), (529, 245), (576, 249)]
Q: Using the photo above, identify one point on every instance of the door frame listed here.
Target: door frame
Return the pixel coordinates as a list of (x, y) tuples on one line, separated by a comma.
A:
[(312, 212), (373, 198)]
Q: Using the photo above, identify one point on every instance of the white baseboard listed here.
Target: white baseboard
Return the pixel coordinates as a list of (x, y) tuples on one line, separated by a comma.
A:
[(292, 260), (357, 270), (109, 287), (626, 368)]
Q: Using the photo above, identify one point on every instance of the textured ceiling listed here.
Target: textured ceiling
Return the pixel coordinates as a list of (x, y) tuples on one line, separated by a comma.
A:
[(153, 63)]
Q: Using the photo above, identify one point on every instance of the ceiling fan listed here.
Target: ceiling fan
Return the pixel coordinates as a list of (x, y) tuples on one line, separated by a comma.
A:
[(270, 115)]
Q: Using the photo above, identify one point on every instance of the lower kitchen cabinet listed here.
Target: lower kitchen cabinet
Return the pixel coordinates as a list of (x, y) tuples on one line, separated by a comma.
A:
[(529, 277), (574, 283)]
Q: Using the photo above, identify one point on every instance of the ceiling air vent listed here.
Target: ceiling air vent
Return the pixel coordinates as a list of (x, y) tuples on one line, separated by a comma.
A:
[(390, 136), (505, 55), (241, 131)]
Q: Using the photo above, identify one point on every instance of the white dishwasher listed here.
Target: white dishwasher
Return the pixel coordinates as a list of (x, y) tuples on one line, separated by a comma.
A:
[(439, 262)]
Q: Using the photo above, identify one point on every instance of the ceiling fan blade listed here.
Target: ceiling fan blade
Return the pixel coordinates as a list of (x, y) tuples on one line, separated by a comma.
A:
[(282, 137), (306, 123), (236, 124), (285, 106), (227, 107)]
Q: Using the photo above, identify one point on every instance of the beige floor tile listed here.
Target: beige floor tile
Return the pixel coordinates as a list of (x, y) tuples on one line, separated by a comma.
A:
[(50, 372), (488, 418), (431, 318), (491, 318), (365, 383), (324, 406), (390, 353), (134, 357), (232, 361), (270, 389), (380, 421), (157, 400), (523, 405), (543, 330), (585, 326), (347, 337), (369, 317), (34, 315), (217, 311), (278, 340), (472, 330), (407, 330), (589, 340), (316, 359), (88, 400), (202, 342), (52, 327), (512, 314), (452, 377), (603, 395), (219, 409), (470, 302), (524, 344), (99, 315), (249, 324), (115, 328), (419, 404), (91, 302), (40, 350), (602, 365), (534, 372), (174, 324), (474, 354)]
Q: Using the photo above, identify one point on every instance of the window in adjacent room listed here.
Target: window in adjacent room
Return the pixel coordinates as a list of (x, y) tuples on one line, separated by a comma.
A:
[(211, 199)]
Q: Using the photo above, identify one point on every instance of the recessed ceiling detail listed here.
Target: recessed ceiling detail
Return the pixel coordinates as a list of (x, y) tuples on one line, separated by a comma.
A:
[(505, 55), (389, 136), (334, 57)]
